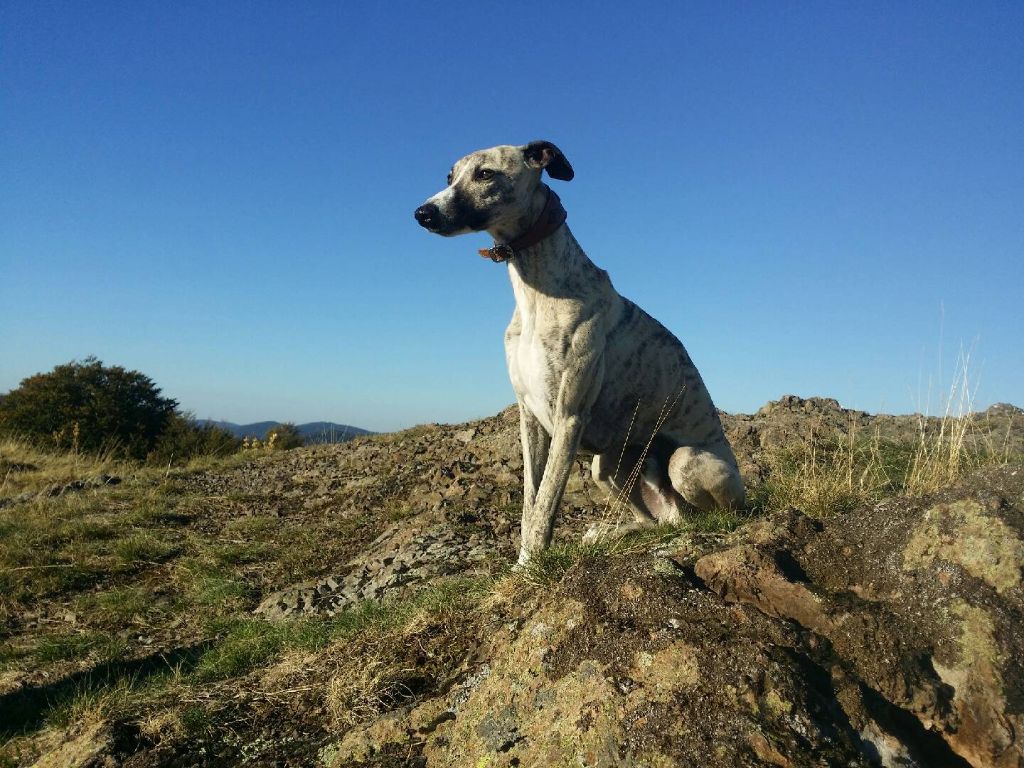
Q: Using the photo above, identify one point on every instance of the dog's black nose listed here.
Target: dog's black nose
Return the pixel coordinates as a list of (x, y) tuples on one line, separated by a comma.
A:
[(427, 215)]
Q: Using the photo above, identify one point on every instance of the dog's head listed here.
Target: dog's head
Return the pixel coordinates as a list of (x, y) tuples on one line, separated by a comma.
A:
[(494, 189)]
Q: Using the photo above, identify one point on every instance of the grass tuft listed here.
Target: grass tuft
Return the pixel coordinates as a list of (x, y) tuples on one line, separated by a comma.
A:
[(24, 468), (143, 547), (249, 642), (65, 646)]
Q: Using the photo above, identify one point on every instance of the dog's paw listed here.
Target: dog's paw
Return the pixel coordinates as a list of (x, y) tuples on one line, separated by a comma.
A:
[(522, 563)]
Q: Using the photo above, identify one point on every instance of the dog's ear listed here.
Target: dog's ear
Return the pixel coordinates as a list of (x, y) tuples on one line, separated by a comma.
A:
[(544, 154)]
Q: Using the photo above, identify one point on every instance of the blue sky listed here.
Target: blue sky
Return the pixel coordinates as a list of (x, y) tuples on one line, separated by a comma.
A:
[(817, 198)]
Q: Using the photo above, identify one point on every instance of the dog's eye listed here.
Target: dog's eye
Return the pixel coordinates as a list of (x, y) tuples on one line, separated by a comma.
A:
[(485, 174)]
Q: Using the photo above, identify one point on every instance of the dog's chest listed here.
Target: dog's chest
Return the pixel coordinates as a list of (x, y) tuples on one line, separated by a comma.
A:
[(536, 361)]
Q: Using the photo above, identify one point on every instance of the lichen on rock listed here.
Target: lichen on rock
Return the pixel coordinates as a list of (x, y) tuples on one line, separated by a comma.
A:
[(962, 532)]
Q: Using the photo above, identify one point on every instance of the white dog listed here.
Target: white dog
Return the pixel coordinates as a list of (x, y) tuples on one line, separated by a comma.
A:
[(590, 368)]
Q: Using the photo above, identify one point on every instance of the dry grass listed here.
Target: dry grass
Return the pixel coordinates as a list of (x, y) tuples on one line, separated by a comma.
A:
[(26, 468), (954, 443), (378, 659), (375, 685), (830, 474), (617, 508)]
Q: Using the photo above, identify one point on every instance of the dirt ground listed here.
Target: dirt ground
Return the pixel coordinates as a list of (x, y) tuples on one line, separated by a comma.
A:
[(352, 605)]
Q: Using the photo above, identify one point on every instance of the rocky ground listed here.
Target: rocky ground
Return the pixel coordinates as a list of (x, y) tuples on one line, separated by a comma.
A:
[(351, 605)]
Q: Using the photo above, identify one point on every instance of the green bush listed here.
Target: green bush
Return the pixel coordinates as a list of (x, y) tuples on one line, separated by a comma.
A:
[(184, 439), (86, 406), (284, 437)]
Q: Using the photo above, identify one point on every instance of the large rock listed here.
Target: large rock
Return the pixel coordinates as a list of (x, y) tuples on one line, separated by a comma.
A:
[(626, 663), (919, 610)]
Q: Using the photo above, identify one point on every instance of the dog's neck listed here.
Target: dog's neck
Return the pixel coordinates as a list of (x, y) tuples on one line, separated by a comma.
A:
[(551, 265), (556, 267), (515, 228), (551, 217)]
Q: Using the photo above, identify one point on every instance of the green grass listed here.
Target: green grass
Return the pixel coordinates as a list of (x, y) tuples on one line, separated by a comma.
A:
[(119, 606), (143, 547), (159, 510), (56, 546), (550, 566), (86, 530), (177, 568), (255, 526), (240, 553), (116, 692), (204, 589), (63, 647), (716, 520), (220, 591), (195, 720), (89, 699), (246, 643), (88, 646)]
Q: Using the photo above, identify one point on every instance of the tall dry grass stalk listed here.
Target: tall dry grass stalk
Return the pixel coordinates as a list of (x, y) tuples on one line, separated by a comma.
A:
[(943, 454), (617, 507)]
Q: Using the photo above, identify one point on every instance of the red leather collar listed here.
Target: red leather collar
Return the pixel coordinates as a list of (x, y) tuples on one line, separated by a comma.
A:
[(550, 219)]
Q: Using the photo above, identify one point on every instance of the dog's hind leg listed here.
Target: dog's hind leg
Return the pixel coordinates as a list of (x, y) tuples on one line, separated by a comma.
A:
[(620, 477), (707, 478)]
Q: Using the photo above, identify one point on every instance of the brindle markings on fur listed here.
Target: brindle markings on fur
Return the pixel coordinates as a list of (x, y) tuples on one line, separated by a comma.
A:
[(590, 369)]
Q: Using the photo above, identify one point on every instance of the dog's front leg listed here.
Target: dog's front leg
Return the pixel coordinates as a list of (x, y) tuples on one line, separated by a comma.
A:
[(535, 441), (539, 519), (577, 393)]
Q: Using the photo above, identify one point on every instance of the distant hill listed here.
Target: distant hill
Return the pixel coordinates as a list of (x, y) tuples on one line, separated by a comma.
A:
[(313, 432)]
